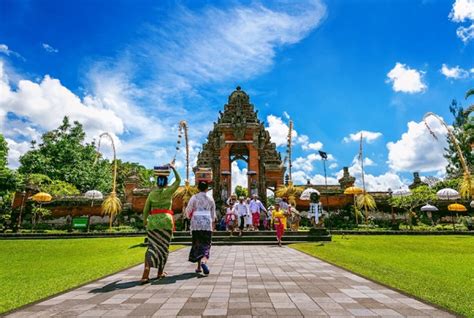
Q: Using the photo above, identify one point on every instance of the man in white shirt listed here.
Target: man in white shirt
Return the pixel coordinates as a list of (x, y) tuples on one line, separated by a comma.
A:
[(242, 210), (256, 207)]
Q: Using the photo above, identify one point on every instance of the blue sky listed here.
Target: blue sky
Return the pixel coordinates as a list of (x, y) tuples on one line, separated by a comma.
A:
[(135, 68)]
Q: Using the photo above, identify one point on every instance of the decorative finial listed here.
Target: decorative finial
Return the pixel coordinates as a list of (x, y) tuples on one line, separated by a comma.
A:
[(238, 88)]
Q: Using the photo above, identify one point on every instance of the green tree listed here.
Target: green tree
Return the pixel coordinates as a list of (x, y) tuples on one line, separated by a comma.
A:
[(3, 152), (418, 197), (63, 155), (126, 169), (240, 191), (60, 188), (464, 137)]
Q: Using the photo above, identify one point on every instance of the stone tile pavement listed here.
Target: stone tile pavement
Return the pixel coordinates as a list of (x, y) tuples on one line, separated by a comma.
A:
[(245, 281)]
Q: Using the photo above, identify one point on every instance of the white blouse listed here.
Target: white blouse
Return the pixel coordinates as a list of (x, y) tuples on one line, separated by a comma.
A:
[(201, 210)]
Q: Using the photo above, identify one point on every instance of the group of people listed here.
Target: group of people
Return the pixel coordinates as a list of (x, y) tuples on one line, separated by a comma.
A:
[(159, 221), (242, 214)]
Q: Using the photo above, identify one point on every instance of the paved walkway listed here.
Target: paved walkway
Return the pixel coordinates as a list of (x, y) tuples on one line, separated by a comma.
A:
[(245, 281)]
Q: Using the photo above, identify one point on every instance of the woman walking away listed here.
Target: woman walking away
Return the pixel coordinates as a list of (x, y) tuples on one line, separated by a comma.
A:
[(159, 222), (201, 210), (279, 221)]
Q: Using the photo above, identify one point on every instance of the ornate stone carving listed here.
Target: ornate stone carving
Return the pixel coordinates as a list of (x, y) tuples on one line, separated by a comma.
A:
[(416, 181), (347, 180)]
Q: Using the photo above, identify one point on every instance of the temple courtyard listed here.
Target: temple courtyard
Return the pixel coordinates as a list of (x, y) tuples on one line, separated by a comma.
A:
[(245, 281)]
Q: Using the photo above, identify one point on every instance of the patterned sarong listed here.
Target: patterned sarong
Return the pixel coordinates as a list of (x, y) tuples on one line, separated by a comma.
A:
[(201, 245), (158, 248)]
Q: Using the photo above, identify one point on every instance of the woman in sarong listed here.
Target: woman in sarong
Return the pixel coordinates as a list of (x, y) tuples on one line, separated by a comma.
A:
[(201, 210), (279, 222), (159, 222)]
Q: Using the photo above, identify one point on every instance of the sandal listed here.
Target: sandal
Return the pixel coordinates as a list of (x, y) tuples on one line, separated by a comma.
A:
[(162, 275), (205, 269)]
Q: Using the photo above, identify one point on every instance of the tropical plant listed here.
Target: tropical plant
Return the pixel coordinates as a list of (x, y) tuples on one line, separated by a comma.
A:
[(60, 188), (38, 212), (365, 201), (417, 197), (465, 188), (289, 191), (112, 204)]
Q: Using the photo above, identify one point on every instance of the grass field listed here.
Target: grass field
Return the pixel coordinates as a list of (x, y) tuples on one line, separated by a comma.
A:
[(33, 269), (439, 269)]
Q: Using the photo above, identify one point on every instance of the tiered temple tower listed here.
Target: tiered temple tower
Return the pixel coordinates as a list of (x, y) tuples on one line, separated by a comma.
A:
[(239, 134)]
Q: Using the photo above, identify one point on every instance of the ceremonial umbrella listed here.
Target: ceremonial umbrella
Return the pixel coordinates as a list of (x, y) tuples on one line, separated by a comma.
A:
[(448, 194), (429, 208), (401, 193), (41, 197), (307, 194), (472, 204), (94, 195), (354, 191), (456, 207)]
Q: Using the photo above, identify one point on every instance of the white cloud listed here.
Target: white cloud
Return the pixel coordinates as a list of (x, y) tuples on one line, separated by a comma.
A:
[(463, 11), (405, 79), (380, 182), (368, 136), (466, 34), (306, 164), (300, 177), (333, 165), (48, 48), (279, 130), (4, 49), (455, 72), (313, 146), (16, 149), (239, 176), (214, 44), (417, 150)]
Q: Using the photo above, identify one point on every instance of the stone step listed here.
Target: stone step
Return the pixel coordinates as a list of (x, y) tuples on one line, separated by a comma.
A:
[(261, 233), (266, 238), (243, 242)]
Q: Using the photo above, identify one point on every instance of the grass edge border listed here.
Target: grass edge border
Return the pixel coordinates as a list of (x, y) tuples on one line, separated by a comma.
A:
[(9, 312), (426, 302)]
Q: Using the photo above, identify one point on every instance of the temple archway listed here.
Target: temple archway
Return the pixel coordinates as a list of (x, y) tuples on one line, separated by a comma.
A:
[(239, 134)]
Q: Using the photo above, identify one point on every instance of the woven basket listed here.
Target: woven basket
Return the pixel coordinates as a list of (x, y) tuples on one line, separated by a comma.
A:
[(161, 171), (203, 174)]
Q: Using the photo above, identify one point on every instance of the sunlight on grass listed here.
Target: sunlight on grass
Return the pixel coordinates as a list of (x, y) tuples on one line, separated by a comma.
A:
[(435, 268), (34, 269)]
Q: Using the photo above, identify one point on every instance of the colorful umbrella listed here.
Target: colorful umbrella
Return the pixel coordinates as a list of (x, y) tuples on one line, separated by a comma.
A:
[(42, 197), (307, 194), (456, 207), (429, 208), (448, 194), (353, 190)]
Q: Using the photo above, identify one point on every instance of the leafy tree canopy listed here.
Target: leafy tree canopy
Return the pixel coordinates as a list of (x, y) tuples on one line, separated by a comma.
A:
[(3, 152), (240, 191), (418, 197), (63, 155)]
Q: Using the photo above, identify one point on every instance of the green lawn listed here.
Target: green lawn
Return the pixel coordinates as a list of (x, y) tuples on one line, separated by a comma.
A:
[(34, 269), (439, 269)]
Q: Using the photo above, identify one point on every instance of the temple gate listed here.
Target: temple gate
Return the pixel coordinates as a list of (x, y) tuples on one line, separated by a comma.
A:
[(239, 134)]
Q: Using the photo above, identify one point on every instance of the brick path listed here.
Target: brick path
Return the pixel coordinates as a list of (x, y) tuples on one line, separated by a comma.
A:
[(245, 281)]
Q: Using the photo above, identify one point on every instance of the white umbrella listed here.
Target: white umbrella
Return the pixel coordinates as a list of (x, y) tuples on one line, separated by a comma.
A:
[(429, 208), (472, 204), (448, 194), (307, 193), (94, 195), (401, 193)]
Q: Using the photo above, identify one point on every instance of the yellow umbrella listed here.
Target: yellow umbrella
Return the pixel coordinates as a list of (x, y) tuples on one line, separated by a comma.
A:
[(354, 191), (456, 207), (42, 197)]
